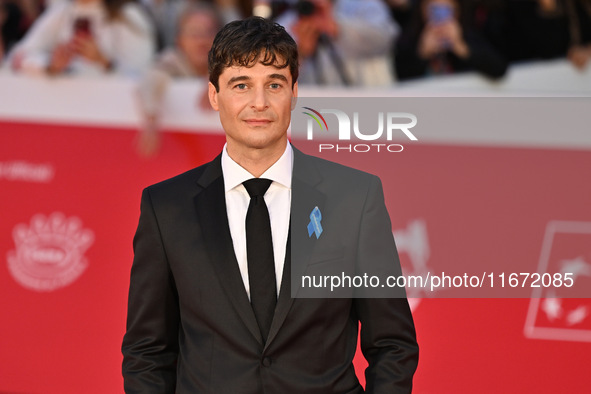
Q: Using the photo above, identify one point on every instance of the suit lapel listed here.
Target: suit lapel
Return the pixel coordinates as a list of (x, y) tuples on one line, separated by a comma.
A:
[(211, 209), (304, 197)]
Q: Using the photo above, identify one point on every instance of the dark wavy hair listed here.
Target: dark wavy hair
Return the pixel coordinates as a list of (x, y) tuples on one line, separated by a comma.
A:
[(251, 40)]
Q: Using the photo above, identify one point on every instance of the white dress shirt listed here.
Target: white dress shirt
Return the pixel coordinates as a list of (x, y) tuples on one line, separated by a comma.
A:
[(278, 200)]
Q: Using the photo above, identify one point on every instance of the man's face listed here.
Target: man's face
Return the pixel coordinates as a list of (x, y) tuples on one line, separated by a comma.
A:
[(255, 106)]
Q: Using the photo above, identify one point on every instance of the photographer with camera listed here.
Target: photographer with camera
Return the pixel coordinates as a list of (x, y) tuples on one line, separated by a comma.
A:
[(342, 42)]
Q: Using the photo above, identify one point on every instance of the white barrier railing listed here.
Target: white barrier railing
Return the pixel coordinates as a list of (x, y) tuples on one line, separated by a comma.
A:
[(110, 101)]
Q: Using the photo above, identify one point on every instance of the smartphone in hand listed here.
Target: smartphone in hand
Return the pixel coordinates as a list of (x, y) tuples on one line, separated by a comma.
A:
[(82, 27), (439, 13)]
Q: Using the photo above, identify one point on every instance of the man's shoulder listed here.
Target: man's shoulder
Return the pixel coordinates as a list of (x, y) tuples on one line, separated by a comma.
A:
[(335, 171), (186, 181)]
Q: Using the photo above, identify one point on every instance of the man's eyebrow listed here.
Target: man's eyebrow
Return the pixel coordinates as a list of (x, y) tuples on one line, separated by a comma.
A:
[(278, 76), (239, 78), (242, 78)]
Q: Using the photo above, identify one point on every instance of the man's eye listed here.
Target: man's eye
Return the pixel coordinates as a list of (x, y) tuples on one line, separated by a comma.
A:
[(275, 86), (241, 86)]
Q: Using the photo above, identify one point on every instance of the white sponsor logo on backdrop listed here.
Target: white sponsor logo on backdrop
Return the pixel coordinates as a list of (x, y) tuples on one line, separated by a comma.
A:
[(566, 249), (49, 252), (413, 242), (25, 171)]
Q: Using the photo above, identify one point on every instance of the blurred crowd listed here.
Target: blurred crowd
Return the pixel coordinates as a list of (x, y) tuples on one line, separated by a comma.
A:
[(341, 42)]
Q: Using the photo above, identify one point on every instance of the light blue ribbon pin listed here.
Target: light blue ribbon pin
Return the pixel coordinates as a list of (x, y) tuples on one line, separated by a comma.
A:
[(314, 226)]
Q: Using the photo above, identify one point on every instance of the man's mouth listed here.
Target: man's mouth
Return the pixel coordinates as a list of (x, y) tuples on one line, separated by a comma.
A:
[(257, 122)]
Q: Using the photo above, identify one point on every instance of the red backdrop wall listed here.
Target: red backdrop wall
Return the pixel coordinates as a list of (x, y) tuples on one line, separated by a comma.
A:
[(479, 204)]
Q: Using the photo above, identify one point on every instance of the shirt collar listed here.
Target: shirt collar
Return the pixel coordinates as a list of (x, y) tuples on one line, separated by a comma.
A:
[(279, 172)]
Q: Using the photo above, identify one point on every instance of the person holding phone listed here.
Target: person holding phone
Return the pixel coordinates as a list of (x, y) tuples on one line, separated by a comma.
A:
[(87, 37), (437, 42)]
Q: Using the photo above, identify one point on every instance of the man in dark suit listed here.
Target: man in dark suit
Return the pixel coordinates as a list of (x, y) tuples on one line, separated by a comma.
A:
[(205, 314)]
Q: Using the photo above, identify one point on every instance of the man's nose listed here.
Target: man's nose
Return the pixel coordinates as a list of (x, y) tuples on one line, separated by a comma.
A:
[(259, 99)]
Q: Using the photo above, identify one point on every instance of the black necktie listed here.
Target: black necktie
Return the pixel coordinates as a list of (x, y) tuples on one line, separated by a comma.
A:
[(259, 252)]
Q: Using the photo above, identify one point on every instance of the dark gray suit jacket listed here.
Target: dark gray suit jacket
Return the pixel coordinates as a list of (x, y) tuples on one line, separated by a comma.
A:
[(190, 326)]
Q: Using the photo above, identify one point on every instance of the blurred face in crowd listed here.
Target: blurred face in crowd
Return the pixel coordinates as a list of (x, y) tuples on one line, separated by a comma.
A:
[(196, 35), (255, 106)]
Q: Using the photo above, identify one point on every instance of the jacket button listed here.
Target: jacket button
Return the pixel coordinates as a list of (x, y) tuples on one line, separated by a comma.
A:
[(267, 361)]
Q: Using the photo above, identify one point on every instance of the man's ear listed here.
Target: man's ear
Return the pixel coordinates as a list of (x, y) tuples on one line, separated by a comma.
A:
[(294, 98), (213, 97)]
